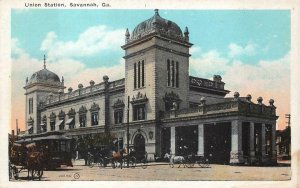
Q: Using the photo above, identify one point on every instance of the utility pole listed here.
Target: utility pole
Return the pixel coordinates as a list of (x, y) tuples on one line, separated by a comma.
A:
[(17, 127), (288, 116), (128, 132)]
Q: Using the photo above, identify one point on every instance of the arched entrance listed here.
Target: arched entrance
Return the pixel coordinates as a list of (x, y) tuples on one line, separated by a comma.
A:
[(139, 145)]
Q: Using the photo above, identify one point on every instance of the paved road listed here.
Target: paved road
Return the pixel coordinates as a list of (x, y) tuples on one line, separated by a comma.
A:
[(162, 171)]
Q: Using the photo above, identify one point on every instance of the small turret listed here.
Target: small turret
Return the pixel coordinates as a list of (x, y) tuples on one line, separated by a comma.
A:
[(127, 36)]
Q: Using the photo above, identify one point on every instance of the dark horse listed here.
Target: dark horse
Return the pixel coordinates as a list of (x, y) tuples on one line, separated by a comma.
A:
[(35, 161), (117, 156)]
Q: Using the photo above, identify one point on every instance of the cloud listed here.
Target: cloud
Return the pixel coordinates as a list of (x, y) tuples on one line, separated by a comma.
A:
[(73, 71), (268, 79), (236, 50), (195, 50), (91, 42)]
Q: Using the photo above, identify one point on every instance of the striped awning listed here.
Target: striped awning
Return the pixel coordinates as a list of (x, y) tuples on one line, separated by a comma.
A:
[(58, 123), (69, 121)]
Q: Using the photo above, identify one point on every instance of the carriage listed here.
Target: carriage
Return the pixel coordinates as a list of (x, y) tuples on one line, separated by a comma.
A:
[(134, 157), (39, 152), (104, 156), (26, 157), (192, 159)]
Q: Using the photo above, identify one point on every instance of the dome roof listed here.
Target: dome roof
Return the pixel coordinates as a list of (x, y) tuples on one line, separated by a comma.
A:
[(44, 75), (156, 23)]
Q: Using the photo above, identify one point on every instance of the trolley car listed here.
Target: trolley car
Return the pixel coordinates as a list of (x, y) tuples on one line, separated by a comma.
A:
[(53, 146)]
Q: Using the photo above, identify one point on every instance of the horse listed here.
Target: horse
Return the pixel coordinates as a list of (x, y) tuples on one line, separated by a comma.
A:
[(117, 156), (175, 160), (35, 161)]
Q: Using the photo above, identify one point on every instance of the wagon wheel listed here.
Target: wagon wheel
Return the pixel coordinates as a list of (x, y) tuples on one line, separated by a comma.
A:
[(132, 162), (37, 173), (203, 163), (10, 171), (190, 163), (15, 172)]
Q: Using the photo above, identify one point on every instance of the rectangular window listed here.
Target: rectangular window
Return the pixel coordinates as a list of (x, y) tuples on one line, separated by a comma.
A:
[(139, 112), (30, 105), (139, 74), (62, 125), (168, 71), (118, 115), (135, 76), (177, 74), (52, 125), (143, 72), (173, 73), (95, 118), (82, 120), (72, 123), (44, 125)]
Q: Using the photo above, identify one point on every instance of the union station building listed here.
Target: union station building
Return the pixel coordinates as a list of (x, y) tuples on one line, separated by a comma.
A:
[(169, 110)]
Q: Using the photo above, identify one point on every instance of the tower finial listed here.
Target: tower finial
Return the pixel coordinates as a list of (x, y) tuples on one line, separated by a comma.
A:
[(156, 12), (44, 61)]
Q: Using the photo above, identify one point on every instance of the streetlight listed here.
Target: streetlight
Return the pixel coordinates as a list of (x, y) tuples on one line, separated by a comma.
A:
[(128, 132)]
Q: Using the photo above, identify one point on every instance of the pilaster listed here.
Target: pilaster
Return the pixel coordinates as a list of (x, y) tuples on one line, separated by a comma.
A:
[(172, 152), (200, 140)]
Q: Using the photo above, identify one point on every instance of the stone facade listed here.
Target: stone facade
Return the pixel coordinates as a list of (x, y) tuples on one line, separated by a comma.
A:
[(169, 111)]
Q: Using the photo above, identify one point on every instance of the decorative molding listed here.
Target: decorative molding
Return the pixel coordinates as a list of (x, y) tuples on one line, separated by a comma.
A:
[(94, 107), (71, 112), (52, 115), (118, 104), (61, 114), (140, 98), (82, 110), (171, 97)]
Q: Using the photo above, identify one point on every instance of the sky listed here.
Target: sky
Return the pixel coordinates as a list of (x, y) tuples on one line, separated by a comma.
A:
[(250, 49)]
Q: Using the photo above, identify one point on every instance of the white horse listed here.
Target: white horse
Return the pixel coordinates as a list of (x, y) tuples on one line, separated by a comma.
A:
[(175, 160)]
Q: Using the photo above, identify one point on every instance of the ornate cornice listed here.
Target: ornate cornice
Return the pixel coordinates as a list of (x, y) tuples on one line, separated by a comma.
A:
[(82, 110), (94, 107), (139, 98), (52, 115), (118, 104), (71, 112)]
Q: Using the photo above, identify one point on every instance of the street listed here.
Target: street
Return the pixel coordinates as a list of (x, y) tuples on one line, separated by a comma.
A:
[(162, 171)]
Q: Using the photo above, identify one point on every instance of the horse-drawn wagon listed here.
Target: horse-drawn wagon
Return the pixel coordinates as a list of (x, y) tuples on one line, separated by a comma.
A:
[(26, 156)]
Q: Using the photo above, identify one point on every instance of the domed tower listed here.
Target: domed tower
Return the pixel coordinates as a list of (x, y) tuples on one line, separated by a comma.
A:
[(38, 87), (156, 67)]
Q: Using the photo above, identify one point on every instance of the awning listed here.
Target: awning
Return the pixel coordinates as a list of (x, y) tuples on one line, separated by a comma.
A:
[(69, 121), (29, 127), (58, 123), (42, 124)]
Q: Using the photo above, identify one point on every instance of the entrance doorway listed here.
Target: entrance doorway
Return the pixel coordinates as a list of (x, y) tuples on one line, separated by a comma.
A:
[(186, 140), (217, 142), (139, 145)]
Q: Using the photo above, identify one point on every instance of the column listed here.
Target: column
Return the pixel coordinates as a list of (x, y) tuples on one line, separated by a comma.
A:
[(252, 140), (236, 154), (200, 140), (263, 142), (172, 152), (77, 123), (274, 152)]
